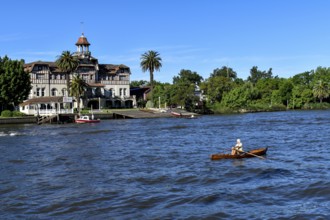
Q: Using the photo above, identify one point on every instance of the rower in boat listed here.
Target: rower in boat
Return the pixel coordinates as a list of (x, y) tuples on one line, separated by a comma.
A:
[(238, 148), (252, 153)]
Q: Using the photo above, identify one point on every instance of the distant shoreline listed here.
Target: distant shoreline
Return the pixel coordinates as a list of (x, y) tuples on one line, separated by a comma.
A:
[(115, 114), (110, 116), (33, 119)]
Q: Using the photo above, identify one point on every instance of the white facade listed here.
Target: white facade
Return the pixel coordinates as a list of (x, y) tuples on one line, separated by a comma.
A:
[(108, 83)]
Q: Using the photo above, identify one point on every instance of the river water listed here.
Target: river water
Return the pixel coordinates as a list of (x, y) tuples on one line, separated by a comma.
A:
[(161, 168)]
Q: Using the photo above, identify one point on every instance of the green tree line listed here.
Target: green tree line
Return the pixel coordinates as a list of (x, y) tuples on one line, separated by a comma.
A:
[(223, 91), (15, 84)]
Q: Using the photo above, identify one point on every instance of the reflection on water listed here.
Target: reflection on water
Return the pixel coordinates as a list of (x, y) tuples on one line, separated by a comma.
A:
[(161, 168)]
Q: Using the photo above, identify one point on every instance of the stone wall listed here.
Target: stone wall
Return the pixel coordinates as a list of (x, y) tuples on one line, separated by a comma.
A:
[(21, 120)]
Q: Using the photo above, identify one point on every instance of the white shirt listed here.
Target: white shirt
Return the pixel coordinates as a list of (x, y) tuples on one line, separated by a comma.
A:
[(239, 146)]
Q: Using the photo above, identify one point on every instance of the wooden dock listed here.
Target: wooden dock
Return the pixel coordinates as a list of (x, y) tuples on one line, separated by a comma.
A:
[(125, 114)]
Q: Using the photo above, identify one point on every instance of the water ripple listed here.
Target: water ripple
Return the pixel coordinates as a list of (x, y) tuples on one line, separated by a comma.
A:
[(160, 169)]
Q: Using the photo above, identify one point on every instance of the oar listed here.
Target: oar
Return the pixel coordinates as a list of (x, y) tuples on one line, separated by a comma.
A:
[(253, 155)]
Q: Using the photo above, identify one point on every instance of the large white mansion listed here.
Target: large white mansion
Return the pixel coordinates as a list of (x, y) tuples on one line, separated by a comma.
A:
[(108, 85)]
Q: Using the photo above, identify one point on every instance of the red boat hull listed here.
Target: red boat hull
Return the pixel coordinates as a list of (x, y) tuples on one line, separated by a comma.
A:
[(82, 121), (86, 119)]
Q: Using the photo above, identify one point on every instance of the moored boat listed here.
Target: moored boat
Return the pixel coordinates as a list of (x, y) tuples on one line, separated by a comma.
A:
[(180, 115), (251, 153), (176, 114), (86, 119)]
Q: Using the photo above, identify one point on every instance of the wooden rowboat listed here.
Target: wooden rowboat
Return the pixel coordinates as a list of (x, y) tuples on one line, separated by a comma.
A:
[(251, 153)]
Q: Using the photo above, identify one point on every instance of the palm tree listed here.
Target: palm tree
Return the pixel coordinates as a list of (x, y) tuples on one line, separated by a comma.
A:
[(150, 61), (78, 87), (67, 63), (321, 90)]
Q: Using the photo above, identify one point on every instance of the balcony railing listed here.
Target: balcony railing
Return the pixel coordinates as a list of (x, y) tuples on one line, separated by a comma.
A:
[(52, 111), (115, 82), (63, 81)]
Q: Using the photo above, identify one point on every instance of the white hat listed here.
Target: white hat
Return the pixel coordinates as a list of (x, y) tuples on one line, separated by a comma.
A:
[(238, 140)]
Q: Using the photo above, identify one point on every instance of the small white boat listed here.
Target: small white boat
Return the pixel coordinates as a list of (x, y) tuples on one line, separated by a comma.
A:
[(176, 114), (86, 119), (180, 115)]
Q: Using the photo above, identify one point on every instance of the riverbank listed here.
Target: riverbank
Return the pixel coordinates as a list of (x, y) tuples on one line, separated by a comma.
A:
[(64, 118), (114, 114), (218, 109)]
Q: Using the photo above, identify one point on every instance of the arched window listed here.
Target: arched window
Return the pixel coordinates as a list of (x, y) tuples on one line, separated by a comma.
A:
[(54, 92), (64, 92)]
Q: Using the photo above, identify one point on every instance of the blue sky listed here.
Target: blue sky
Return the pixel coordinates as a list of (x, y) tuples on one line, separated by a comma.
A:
[(290, 36)]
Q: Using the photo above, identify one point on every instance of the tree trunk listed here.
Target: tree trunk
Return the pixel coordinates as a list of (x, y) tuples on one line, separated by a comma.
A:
[(78, 106), (68, 83), (151, 84)]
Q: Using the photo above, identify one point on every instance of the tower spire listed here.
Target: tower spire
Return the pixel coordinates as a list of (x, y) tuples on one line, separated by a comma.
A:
[(82, 27), (83, 45)]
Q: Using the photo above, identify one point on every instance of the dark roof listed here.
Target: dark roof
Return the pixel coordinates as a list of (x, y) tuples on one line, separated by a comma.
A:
[(44, 99), (107, 68), (139, 90), (111, 68), (103, 68), (28, 67)]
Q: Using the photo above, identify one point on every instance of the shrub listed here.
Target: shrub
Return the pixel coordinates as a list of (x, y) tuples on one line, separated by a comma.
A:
[(220, 109), (323, 105), (6, 114), (278, 107), (18, 114), (85, 111)]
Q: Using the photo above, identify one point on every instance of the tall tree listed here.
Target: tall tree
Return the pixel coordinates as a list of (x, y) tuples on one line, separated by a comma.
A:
[(322, 73), (256, 75), (184, 94), (303, 79), (78, 87), (215, 87), (241, 96), (301, 96), (266, 86), (15, 84), (285, 91), (321, 90), (189, 76), (139, 83), (67, 63), (151, 61), (225, 72), (185, 85), (164, 91)]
